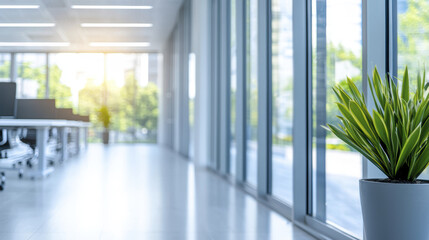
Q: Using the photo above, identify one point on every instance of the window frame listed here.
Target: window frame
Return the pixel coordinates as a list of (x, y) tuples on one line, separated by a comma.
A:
[(379, 23)]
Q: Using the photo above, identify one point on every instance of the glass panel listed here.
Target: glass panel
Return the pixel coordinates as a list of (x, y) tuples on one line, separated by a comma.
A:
[(131, 94), (337, 53), (4, 67), (129, 89), (214, 70), (75, 80), (31, 81), (233, 149), (251, 90), (282, 99), (413, 42), (191, 92)]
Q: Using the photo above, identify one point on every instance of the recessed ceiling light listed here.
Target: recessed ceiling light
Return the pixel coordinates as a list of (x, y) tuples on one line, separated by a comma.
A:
[(117, 25), (117, 7), (19, 6), (119, 44), (34, 44), (27, 24)]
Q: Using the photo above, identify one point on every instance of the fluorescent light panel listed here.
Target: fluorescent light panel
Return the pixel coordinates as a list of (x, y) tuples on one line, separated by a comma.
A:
[(34, 44), (116, 25), (19, 6), (119, 44), (27, 24), (113, 7)]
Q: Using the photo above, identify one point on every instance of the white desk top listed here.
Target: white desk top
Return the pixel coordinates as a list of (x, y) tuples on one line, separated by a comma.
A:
[(41, 123)]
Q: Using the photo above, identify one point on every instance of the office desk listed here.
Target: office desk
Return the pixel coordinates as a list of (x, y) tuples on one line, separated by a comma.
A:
[(42, 127)]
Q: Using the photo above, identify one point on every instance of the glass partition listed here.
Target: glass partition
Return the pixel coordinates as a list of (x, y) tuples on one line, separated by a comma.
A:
[(282, 99), (251, 90), (125, 83), (131, 94), (191, 96), (31, 80), (75, 80), (233, 97), (413, 42), (337, 54), (5, 67)]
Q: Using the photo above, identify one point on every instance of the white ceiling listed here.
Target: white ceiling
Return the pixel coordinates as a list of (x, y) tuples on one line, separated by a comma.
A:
[(163, 16)]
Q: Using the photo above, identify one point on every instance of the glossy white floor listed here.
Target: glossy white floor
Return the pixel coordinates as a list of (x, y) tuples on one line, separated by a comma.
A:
[(135, 192)]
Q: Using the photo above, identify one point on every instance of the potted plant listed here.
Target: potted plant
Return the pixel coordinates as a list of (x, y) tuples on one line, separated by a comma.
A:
[(395, 139), (104, 116)]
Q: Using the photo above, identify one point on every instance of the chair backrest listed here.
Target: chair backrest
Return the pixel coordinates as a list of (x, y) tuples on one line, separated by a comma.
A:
[(36, 109), (84, 118), (7, 99), (65, 113)]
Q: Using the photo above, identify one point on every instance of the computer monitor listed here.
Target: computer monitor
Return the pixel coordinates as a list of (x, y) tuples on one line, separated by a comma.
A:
[(36, 109), (7, 99)]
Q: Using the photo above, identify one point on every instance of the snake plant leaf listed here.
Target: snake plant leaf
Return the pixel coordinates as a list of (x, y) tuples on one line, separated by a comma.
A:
[(355, 92), (376, 81), (361, 120), (426, 114), (346, 113), (342, 96), (421, 162), (419, 91), (395, 96), (341, 135), (373, 95), (381, 127), (337, 94), (419, 116), (409, 145), (395, 135), (405, 86), (425, 130), (387, 117), (395, 149)]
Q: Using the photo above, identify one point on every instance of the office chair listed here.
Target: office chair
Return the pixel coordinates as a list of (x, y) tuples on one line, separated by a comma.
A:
[(4, 145), (12, 154), (29, 136)]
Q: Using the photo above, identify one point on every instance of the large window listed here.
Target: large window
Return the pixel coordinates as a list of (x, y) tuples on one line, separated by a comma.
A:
[(4, 67), (31, 81), (251, 90), (122, 73), (75, 80), (131, 94), (337, 169), (413, 41), (233, 149), (125, 83), (282, 99), (191, 95)]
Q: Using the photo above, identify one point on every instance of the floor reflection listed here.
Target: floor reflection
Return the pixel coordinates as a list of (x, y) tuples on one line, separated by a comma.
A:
[(135, 192)]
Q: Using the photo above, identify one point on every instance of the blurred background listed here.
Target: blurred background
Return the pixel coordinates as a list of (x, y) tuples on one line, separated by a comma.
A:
[(124, 82)]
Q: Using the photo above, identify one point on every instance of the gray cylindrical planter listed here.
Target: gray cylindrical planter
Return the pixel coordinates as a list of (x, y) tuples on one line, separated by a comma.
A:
[(395, 211), (106, 136)]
